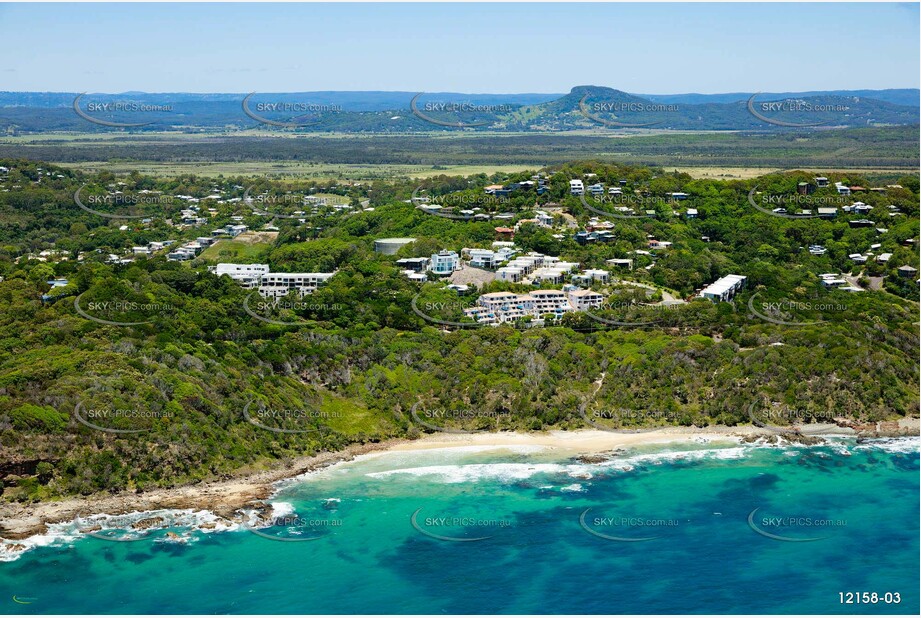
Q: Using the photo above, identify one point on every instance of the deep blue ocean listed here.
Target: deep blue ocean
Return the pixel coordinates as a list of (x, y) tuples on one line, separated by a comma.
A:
[(708, 527)]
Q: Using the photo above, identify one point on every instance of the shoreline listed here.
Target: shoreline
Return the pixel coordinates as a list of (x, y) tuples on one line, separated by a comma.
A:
[(226, 497)]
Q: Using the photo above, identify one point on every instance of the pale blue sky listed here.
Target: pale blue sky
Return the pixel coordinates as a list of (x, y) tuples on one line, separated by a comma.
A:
[(648, 48)]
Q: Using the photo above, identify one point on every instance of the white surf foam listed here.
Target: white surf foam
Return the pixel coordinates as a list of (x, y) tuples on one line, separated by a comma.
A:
[(908, 444), (66, 533)]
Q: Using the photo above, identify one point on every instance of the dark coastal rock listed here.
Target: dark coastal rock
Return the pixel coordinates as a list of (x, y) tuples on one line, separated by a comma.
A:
[(591, 459), (882, 429), (795, 437), (149, 522), (770, 438), (598, 458)]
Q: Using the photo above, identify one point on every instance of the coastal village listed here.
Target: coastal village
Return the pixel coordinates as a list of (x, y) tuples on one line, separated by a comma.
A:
[(559, 285)]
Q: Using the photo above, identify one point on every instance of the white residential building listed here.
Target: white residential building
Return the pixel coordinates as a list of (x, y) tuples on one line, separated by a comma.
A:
[(502, 307), (247, 275), (837, 281), (484, 258), (583, 300), (592, 276), (278, 285), (544, 219), (596, 189), (576, 187), (416, 265), (620, 262), (444, 262), (512, 274), (724, 288), (415, 276)]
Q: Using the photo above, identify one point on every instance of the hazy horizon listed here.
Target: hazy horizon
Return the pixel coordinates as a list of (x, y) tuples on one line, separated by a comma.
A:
[(433, 92), (546, 48)]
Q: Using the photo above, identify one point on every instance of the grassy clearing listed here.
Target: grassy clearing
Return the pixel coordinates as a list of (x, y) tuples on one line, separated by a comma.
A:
[(293, 169), (246, 250), (332, 171)]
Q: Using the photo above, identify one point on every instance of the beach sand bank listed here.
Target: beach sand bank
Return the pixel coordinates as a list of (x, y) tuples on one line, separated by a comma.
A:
[(225, 497)]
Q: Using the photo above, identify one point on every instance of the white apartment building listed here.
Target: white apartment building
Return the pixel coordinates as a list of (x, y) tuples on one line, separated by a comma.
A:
[(724, 288), (247, 275), (488, 258), (576, 187), (501, 307), (592, 276), (278, 285), (512, 274), (583, 300), (444, 262), (544, 219)]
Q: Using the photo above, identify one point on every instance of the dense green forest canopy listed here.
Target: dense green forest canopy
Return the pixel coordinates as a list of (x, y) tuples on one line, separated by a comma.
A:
[(864, 147), (186, 367)]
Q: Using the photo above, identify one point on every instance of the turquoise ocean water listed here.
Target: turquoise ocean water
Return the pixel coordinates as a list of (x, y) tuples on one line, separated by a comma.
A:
[(714, 527)]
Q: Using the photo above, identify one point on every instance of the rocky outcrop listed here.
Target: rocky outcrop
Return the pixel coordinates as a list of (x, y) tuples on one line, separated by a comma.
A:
[(882, 429)]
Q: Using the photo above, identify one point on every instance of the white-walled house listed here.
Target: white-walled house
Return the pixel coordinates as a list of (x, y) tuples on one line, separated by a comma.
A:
[(593, 275), (512, 274), (444, 262), (501, 307), (724, 288), (583, 300), (278, 285), (247, 275)]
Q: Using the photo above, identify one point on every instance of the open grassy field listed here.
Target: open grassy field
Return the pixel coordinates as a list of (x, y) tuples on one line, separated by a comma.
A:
[(293, 169), (245, 248), (878, 150), (742, 173), (333, 171)]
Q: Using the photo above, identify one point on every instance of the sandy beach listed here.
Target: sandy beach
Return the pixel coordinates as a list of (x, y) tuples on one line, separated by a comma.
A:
[(224, 497)]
